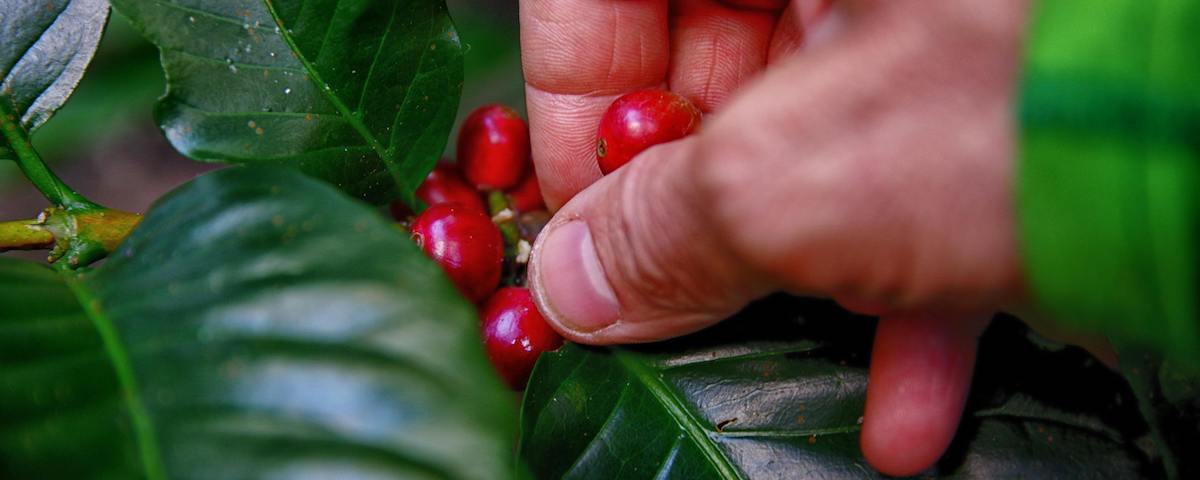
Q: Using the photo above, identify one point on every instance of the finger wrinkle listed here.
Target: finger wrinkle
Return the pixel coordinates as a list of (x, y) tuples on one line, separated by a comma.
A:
[(615, 18), (787, 38), (711, 95), (562, 135), (566, 126), (616, 46), (715, 49)]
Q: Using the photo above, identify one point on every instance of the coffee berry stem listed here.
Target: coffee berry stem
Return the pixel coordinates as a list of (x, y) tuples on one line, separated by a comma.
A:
[(505, 219)]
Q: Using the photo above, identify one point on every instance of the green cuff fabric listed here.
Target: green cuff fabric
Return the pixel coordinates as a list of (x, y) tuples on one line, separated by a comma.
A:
[(1108, 183)]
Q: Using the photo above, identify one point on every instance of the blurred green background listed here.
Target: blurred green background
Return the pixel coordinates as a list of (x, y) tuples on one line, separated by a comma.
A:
[(105, 144)]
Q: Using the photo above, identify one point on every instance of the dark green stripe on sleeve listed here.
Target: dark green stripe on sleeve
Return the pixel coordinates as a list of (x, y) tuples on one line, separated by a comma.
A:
[(1110, 167)]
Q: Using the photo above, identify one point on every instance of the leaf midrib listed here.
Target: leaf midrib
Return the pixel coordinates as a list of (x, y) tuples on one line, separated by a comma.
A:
[(679, 413), (326, 90), (143, 428)]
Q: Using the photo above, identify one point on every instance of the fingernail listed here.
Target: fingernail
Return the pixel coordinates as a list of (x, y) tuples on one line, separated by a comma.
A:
[(571, 281)]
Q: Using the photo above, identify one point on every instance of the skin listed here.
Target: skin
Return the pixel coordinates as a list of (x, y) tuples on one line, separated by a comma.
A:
[(859, 150)]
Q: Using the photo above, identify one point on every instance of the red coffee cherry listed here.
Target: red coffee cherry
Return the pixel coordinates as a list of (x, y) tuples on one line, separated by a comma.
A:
[(514, 334), (442, 185), (465, 243), (493, 148), (527, 195), (640, 120)]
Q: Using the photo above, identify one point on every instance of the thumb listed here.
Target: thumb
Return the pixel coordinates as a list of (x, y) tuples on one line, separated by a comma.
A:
[(633, 257)]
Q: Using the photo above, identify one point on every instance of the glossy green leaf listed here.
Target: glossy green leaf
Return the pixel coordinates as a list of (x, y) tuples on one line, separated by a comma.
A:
[(360, 93), (257, 324), (1168, 392), (778, 392), (47, 45)]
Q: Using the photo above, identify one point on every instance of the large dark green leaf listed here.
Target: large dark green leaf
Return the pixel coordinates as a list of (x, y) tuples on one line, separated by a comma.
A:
[(778, 392), (1168, 392), (257, 324), (344, 90), (45, 46)]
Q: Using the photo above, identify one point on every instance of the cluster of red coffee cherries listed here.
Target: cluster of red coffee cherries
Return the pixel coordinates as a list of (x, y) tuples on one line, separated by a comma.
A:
[(481, 218), (484, 213)]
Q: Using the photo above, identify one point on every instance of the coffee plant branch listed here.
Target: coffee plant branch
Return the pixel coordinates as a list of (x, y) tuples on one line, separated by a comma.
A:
[(24, 235), (34, 168), (74, 228)]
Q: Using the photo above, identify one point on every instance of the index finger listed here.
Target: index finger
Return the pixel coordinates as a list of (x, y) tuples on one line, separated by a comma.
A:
[(578, 56)]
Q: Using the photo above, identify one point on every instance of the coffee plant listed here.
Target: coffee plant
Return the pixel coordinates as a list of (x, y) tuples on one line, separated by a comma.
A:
[(272, 320)]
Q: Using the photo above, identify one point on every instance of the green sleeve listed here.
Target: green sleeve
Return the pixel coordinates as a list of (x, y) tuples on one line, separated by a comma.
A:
[(1108, 181)]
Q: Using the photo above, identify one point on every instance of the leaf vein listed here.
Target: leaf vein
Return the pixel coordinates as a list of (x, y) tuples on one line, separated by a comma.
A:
[(668, 365), (786, 433), (345, 444), (612, 415), (208, 14), (678, 412), (330, 96), (542, 413), (224, 63), (213, 113), (324, 36), (143, 429), (403, 104), (362, 96), (668, 461)]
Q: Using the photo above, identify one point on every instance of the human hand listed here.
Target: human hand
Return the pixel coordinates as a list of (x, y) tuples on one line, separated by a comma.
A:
[(862, 153)]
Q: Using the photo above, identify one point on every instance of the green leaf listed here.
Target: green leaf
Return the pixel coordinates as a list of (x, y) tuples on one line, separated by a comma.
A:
[(257, 324), (346, 91), (47, 46), (114, 99), (778, 392), (1168, 393)]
